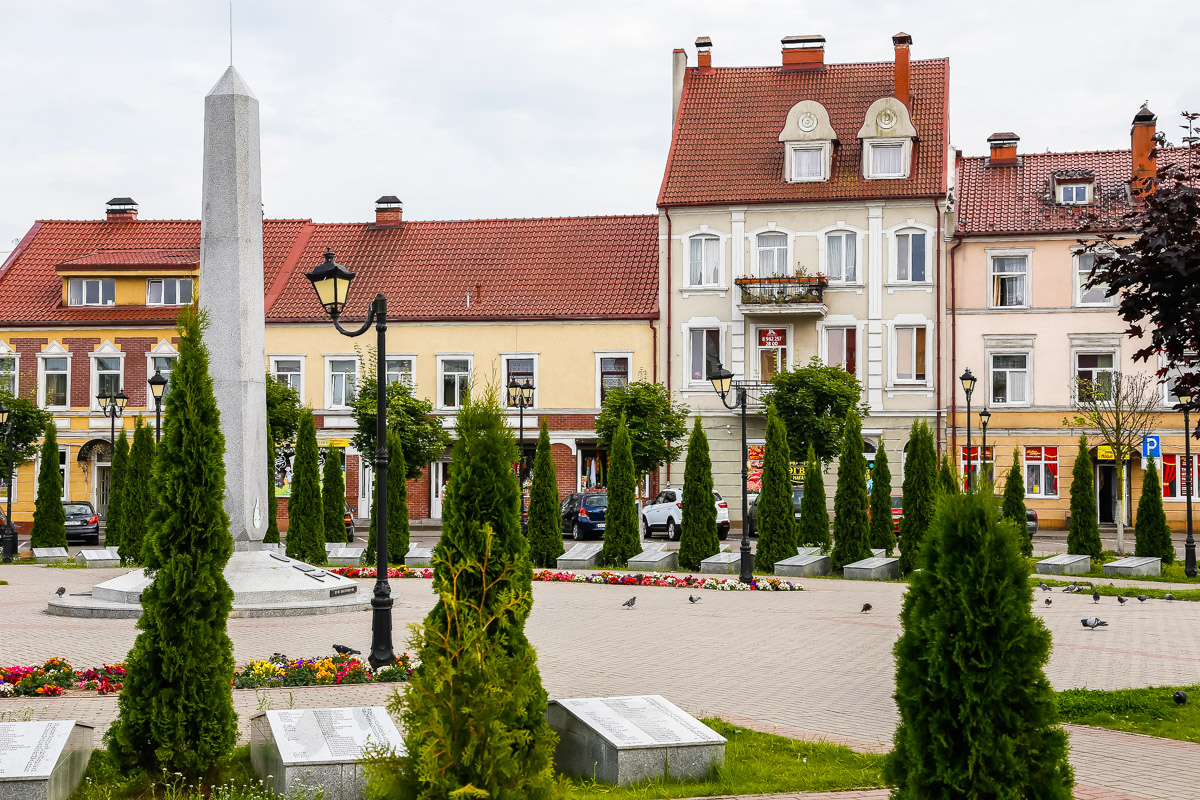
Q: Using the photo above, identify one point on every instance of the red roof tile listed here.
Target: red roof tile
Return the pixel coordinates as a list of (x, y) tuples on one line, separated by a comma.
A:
[(137, 258), (725, 147)]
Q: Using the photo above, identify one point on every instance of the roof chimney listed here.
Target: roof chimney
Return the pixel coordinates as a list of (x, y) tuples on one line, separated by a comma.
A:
[(1145, 163), (121, 209), (1004, 148), (388, 211), (678, 68), (901, 42), (804, 52), (703, 52)]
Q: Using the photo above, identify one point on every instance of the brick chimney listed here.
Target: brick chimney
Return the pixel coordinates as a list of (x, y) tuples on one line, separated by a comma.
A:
[(804, 52), (388, 211), (678, 68), (121, 209), (903, 92), (704, 52), (1145, 163), (1004, 148)]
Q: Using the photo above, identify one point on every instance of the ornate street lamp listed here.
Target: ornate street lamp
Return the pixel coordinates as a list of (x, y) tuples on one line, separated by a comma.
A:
[(968, 384), (521, 396), (1189, 546), (112, 405), (984, 417), (158, 385), (9, 545), (331, 281), (722, 381)]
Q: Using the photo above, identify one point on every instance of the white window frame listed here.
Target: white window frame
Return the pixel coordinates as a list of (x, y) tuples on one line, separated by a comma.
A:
[(84, 303), (894, 349), (1180, 459), (64, 461), (412, 360), (8, 352), (163, 349), (275, 358), (823, 330), (860, 239), (1028, 354), (1092, 351), (537, 386), (105, 350), (788, 348), (823, 147), (442, 358), (1168, 395), (52, 350), (163, 281), (905, 145), (909, 227), (602, 354), (992, 255), (788, 251), (687, 258), (1062, 193), (701, 325), (1107, 302), (1025, 464), (329, 359)]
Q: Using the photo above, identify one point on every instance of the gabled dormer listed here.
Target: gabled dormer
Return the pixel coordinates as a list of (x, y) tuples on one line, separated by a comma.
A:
[(808, 139), (1074, 187), (887, 136)]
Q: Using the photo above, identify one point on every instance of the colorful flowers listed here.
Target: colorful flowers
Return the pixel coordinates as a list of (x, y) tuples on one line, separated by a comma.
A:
[(393, 572), (279, 670), (664, 579)]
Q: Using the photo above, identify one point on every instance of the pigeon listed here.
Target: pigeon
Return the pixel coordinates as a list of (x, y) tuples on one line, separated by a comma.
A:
[(866, 607), (1043, 587), (1142, 598), (629, 603), (1091, 623), (346, 651), (1121, 600), (693, 598), (60, 591), (1180, 697), (1048, 601), (1095, 595), (1070, 589), (1168, 596)]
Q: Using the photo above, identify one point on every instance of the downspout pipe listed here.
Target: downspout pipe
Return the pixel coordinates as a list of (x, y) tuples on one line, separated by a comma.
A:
[(937, 300), (958, 240), (667, 213)]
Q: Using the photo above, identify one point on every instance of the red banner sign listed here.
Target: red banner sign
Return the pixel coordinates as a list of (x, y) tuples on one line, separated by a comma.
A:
[(772, 337)]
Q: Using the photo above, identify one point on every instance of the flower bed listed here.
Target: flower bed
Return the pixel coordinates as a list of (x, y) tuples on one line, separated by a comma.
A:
[(56, 676), (762, 584), (369, 572)]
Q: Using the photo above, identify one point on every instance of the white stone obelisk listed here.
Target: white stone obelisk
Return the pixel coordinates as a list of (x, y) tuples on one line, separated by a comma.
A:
[(231, 294)]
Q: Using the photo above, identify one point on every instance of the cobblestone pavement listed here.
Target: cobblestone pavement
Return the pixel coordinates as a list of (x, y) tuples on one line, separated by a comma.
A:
[(805, 664)]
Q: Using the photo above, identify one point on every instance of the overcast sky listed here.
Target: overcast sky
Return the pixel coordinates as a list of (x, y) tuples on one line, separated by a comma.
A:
[(486, 109)]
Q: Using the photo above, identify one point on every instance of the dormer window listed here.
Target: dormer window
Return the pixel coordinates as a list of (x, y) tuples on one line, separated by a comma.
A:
[(808, 162), (91, 291), (169, 291), (887, 159), (807, 139), (887, 137), (1074, 194)]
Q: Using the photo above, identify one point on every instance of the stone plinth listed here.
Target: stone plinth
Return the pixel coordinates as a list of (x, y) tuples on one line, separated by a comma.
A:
[(50, 555), (804, 566), (808, 551), (419, 557), (94, 559), (623, 740), (722, 564), (581, 556), (878, 552), (43, 760), (346, 556), (875, 568), (299, 751), (1065, 564), (656, 560), (1134, 565)]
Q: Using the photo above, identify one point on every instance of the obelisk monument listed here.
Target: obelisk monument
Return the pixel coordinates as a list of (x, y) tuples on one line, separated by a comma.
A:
[(231, 294)]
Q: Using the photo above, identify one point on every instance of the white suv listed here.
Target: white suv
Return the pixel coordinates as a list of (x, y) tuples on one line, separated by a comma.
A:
[(665, 513)]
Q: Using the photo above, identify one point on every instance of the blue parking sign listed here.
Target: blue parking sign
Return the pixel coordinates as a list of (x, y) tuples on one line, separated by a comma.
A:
[(1151, 447)]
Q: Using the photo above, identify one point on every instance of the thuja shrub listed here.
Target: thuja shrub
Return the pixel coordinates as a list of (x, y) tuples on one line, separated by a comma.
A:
[(333, 497), (114, 522), (139, 496), (272, 534), (621, 541), (850, 524), (306, 532), (1083, 532), (776, 517), (49, 518), (1152, 534), (545, 521), (921, 492), (1012, 507), (698, 528), (813, 530), (883, 535)]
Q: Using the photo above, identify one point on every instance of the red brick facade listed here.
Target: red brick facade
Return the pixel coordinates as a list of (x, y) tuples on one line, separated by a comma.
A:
[(28, 366), (135, 349), (81, 370)]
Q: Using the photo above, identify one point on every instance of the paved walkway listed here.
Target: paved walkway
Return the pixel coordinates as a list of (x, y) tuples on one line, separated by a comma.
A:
[(805, 664)]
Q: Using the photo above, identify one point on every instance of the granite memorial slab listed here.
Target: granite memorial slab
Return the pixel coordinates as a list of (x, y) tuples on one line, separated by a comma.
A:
[(43, 760), (804, 566), (879, 552), (655, 557), (581, 556), (298, 751), (1064, 564), (623, 740), (50, 555), (331, 546), (808, 551), (346, 556), (722, 564), (1134, 565), (875, 568), (115, 550), (419, 557), (95, 559)]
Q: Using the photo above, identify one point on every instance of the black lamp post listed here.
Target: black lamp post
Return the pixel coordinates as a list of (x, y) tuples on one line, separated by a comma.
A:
[(968, 384), (332, 283), (984, 417), (1189, 545), (722, 381), (9, 546), (521, 396), (158, 385), (112, 405)]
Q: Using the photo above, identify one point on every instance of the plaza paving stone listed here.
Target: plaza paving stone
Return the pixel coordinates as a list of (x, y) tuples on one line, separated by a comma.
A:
[(804, 664)]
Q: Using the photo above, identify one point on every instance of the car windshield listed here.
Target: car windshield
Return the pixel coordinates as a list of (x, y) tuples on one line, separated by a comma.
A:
[(718, 496), (596, 501), (897, 504), (797, 495), (77, 509)]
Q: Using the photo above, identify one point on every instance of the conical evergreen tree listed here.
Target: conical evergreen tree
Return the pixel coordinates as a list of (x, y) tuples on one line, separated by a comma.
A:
[(333, 497), (1083, 532), (114, 518), (698, 529), (306, 533), (1013, 506), (49, 518), (976, 720), (139, 497), (850, 521), (920, 495), (545, 520), (813, 528), (947, 480), (474, 708), (272, 535), (398, 526), (176, 710), (621, 541), (882, 534), (776, 521), (1152, 534)]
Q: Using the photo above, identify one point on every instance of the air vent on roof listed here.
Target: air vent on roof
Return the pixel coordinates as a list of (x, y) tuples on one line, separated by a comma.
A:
[(121, 209)]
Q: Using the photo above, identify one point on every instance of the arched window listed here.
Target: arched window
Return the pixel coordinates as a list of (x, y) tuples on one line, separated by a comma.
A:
[(704, 261), (772, 255)]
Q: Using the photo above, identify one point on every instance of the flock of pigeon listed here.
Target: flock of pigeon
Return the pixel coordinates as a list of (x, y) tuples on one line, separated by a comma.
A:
[(1091, 623)]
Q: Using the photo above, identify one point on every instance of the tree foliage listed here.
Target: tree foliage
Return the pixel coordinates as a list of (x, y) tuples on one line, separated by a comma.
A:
[(976, 720), (27, 421), (814, 401), (947, 478), (114, 518), (272, 534), (1083, 531), (397, 510), (621, 540), (1013, 506), (698, 529), (883, 535), (813, 528), (49, 518), (284, 407), (1152, 534), (654, 424), (333, 497), (176, 710), (306, 532), (139, 495), (776, 517), (920, 495), (545, 521), (851, 533)]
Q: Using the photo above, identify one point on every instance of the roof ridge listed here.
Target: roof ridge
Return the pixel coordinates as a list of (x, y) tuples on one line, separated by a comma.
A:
[(1056, 153), (780, 68), (498, 219)]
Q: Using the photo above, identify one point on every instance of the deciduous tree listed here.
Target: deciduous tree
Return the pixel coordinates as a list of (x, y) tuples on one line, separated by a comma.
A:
[(397, 510), (654, 424), (27, 421), (813, 401)]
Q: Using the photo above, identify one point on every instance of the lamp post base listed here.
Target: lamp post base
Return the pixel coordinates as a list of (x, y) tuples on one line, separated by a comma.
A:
[(747, 565), (381, 626)]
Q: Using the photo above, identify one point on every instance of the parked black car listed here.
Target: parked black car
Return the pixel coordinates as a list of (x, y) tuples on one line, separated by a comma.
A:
[(1031, 522), (583, 514), (83, 524), (752, 510)]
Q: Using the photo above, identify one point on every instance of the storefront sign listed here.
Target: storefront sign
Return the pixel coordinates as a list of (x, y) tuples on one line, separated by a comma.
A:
[(772, 337)]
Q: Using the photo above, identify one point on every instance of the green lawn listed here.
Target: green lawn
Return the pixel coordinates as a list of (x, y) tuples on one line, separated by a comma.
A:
[(1112, 591), (236, 781), (1149, 711)]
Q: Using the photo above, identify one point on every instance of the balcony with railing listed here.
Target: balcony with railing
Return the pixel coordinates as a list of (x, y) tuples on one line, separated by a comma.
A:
[(783, 295)]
